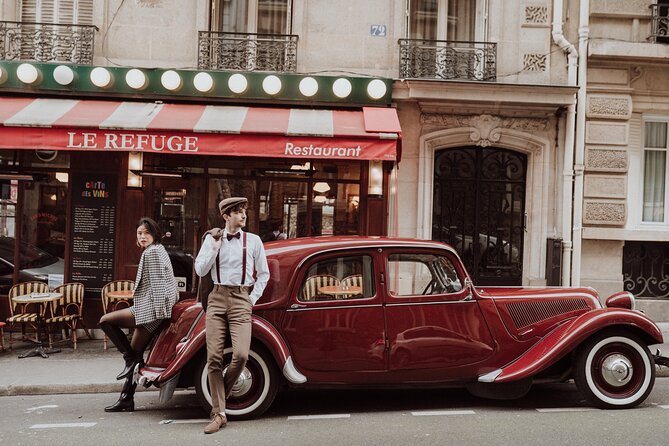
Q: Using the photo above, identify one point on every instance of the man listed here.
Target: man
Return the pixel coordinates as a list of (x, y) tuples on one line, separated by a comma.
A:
[(277, 232), (230, 256)]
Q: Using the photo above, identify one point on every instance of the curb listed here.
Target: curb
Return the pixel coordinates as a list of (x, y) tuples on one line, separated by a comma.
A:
[(63, 389)]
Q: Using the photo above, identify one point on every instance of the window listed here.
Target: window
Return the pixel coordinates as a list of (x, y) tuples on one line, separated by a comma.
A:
[(655, 171), (251, 16), (444, 19), (58, 11), (421, 274), (346, 277)]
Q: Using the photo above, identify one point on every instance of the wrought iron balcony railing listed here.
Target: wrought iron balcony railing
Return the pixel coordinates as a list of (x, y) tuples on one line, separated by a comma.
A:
[(659, 23), (47, 42), (445, 59), (247, 52)]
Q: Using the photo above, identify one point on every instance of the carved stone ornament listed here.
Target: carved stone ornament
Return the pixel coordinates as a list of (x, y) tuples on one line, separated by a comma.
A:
[(610, 107), (604, 212), (606, 159), (535, 62), (486, 129), (536, 15)]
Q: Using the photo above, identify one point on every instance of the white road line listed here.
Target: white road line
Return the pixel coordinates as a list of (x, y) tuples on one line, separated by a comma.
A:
[(664, 406), (187, 421), (49, 406), (568, 409), (432, 413), (56, 425), (319, 417)]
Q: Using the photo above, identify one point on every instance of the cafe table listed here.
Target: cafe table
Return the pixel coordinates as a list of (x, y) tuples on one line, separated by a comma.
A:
[(41, 300), (339, 291)]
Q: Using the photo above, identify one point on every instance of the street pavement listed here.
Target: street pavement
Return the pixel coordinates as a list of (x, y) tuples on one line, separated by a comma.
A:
[(91, 369)]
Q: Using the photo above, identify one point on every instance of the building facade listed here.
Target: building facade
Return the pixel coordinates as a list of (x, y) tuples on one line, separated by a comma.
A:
[(531, 131)]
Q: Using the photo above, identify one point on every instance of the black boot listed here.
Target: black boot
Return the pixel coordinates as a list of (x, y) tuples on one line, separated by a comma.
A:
[(126, 402), (120, 340)]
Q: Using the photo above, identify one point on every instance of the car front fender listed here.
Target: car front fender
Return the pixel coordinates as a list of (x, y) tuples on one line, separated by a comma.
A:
[(567, 337)]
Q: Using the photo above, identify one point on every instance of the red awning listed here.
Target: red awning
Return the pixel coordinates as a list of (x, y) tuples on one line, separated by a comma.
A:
[(89, 125)]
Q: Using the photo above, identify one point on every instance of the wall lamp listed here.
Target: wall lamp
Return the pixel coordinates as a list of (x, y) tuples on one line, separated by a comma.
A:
[(375, 178), (135, 164)]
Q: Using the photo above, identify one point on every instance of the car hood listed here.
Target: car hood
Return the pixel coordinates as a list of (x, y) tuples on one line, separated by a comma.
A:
[(533, 312), (43, 272)]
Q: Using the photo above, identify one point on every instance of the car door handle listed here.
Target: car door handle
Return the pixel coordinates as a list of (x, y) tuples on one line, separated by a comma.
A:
[(296, 306)]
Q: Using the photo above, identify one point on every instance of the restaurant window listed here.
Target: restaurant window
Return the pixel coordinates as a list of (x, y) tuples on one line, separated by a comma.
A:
[(220, 188), (655, 171), (421, 274), (251, 16), (283, 208), (345, 277)]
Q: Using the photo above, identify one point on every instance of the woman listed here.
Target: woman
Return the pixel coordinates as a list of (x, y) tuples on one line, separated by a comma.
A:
[(155, 295)]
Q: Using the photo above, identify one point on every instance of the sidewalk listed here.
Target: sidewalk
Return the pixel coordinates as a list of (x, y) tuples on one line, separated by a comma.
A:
[(91, 369)]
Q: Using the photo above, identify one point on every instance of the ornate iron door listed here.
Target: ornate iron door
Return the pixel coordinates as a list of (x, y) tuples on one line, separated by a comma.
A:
[(479, 209)]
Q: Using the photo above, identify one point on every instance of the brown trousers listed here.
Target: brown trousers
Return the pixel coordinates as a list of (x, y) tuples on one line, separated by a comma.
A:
[(229, 309)]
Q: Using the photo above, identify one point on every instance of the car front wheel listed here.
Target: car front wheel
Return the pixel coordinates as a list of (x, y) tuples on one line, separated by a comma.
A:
[(614, 371), (254, 391)]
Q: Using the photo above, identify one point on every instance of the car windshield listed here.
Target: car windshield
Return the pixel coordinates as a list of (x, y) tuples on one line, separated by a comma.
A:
[(30, 255)]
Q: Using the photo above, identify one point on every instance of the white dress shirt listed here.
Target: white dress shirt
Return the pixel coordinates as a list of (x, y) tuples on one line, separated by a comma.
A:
[(230, 262)]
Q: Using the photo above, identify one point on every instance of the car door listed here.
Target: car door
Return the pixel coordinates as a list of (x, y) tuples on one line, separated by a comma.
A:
[(335, 321), (433, 322)]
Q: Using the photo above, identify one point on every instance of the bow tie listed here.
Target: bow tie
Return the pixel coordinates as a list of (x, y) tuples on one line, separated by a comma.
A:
[(236, 235)]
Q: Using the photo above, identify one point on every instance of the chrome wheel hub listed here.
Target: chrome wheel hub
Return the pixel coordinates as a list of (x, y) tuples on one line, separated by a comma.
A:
[(243, 384), (617, 370)]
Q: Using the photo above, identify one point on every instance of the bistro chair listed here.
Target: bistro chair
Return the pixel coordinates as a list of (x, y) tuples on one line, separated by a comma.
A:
[(111, 303), (68, 310), (354, 280), (24, 314), (311, 286)]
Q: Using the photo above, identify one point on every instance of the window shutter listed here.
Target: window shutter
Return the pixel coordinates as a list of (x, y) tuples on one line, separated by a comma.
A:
[(57, 11), (29, 10), (84, 12), (65, 11)]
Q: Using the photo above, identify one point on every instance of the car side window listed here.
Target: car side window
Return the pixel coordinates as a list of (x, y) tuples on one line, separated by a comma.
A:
[(421, 274), (337, 278)]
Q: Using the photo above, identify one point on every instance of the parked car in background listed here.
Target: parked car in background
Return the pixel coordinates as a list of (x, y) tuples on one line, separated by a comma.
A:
[(35, 264), (366, 311)]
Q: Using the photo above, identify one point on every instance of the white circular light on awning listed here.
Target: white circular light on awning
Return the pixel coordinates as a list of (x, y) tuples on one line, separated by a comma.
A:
[(376, 89), (308, 86), (238, 83), (203, 82), (101, 77), (136, 79), (271, 85), (342, 88), (27, 73), (171, 80), (63, 75)]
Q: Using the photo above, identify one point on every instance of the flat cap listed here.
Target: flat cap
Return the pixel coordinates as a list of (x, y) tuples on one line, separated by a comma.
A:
[(228, 203)]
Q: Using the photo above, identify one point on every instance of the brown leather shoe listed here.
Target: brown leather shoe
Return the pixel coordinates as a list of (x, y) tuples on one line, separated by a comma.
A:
[(217, 423)]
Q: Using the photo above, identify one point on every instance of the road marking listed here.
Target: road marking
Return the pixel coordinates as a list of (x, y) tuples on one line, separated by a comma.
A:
[(55, 425), (319, 417), (432, 413), (568, 409), (664, 406), (49, 406), (187, 421)]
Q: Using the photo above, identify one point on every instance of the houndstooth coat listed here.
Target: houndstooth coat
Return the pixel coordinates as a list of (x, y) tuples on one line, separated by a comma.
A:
[(155, 286)]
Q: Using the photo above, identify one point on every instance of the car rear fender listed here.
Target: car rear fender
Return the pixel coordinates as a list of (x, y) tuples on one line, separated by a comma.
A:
[(265, 333), (569, 336)]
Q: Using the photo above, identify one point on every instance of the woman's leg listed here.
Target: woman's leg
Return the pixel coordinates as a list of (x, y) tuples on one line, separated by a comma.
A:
[(111, 324), (141, 338)]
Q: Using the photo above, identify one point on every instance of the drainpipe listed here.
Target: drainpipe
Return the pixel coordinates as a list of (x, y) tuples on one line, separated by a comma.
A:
[(570, 119), (579, 155)]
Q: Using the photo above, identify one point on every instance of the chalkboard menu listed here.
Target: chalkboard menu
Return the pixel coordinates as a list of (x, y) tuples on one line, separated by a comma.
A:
[(93, 230)]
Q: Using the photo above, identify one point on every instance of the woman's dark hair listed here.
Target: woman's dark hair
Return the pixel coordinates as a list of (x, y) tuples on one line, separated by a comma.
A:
[(152, 227)]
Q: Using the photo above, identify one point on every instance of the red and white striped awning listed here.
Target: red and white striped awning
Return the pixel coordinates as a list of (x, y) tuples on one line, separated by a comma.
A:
[(90, 125)]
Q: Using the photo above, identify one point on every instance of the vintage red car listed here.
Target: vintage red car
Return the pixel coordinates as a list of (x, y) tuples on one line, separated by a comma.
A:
[(364, 311)]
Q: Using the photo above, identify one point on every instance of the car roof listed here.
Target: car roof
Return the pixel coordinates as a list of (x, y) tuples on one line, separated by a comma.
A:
[(310, 245)]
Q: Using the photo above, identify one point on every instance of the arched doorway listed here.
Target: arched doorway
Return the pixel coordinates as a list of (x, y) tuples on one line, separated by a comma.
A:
[(479, 209)]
